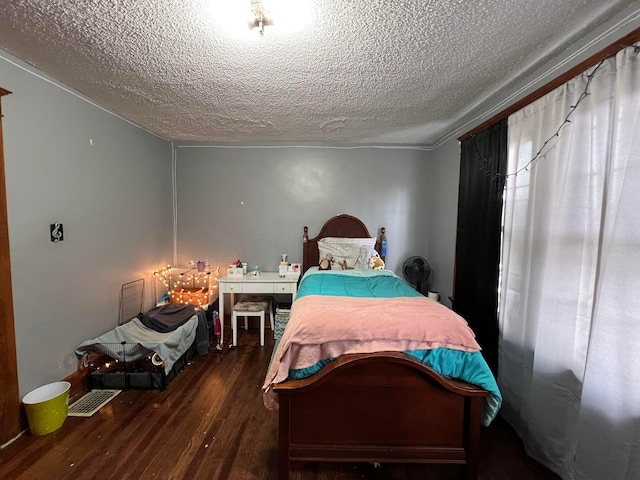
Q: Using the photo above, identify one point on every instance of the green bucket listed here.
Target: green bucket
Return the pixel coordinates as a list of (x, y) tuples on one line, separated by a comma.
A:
[(47, 407)]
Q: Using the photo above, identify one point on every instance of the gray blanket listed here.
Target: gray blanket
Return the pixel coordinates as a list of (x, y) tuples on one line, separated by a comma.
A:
[(170, 346), (166, 318)]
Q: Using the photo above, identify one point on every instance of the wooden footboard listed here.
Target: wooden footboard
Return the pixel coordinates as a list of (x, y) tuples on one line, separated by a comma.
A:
[(381, 407)]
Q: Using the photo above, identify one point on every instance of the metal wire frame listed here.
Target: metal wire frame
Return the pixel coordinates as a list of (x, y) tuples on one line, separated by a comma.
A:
[(131, 300)]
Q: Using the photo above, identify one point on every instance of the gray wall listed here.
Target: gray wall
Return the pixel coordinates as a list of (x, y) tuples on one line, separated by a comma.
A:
[(443, 217), (114, 198), (256, 201)]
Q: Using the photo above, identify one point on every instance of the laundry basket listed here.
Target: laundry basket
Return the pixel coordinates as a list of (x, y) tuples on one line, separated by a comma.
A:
[(47, 407)]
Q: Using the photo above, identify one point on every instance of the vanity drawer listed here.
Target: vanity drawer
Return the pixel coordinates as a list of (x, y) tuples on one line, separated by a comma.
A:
[(259, 288), (227, 287), (282, 288)]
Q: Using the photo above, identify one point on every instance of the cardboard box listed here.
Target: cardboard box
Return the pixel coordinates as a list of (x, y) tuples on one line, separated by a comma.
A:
[(194, 296)]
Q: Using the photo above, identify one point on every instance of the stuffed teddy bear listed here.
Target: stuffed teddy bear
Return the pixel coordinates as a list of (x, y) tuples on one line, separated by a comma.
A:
[(376, 263), (326, 262)]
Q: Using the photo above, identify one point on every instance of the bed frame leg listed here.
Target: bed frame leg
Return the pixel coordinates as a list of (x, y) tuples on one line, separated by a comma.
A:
[(474, 415), (284, 462)]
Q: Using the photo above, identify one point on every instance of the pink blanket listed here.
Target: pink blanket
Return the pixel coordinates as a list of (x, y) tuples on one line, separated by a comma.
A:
[(322, 327)]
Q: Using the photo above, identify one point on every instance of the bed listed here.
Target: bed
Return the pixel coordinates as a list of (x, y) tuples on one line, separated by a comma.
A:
[(145, 351), (355, 395)]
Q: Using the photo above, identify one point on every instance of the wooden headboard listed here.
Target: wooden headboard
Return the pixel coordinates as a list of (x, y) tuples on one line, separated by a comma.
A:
[(344, 226)]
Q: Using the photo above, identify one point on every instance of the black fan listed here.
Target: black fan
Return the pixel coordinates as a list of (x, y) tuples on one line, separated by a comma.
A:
[(416, 271)]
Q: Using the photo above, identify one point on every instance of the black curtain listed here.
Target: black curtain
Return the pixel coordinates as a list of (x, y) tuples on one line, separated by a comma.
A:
[(483, 162)]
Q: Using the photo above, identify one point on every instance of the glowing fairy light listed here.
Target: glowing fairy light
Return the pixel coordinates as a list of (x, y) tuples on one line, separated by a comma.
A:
[(190, 287)]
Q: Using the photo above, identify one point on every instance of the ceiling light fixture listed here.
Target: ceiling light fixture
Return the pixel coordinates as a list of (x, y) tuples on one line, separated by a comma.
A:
[(262, 16), (245, 19)]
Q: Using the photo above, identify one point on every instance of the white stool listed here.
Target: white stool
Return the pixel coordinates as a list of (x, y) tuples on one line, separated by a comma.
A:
[(249, 309)]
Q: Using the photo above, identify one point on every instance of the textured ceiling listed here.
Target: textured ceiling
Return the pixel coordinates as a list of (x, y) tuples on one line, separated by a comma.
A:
[(359, 72)]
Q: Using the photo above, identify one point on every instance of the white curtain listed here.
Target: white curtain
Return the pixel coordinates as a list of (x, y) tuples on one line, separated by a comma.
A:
[(569, 364)]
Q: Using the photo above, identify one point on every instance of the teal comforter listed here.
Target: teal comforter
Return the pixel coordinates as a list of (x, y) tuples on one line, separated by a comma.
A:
[(468, 366)]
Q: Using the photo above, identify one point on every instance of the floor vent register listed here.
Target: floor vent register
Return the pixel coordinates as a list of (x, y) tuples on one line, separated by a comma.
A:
[(91, 402)]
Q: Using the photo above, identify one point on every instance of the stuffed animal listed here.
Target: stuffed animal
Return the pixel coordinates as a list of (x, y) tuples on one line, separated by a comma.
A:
[(344, 265), (376, 263), (326, 262)]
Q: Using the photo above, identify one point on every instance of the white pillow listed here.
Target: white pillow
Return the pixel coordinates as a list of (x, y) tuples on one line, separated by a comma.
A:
[(352, 252)]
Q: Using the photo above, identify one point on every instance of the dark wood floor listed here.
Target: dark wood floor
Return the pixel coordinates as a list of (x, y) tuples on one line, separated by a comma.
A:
[(210, 423)]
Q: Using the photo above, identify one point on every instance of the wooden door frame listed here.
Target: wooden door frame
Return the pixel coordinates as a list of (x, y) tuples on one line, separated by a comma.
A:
[(10, 412)]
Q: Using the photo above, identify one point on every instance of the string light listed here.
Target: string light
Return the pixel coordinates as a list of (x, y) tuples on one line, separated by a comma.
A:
[(190, 288), (532, 163), (164, 276)]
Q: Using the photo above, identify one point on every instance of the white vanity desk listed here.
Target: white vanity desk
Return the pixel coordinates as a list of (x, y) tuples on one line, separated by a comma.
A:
[(268, 283)]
